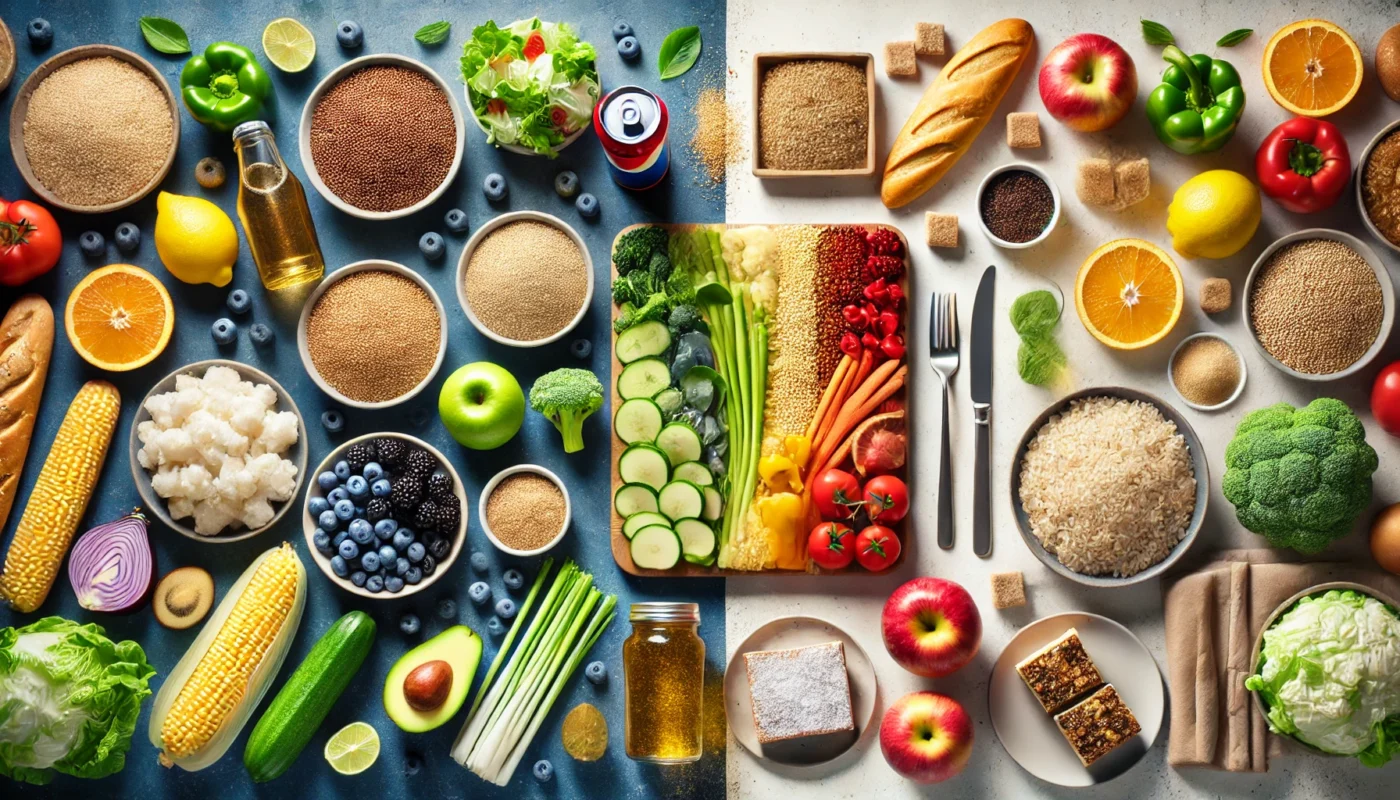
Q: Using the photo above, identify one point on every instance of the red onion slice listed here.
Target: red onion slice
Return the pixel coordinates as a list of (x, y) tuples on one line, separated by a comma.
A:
[(112, 567)]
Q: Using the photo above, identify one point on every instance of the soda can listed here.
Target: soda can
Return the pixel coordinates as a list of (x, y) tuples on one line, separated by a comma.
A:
[(632, 123)]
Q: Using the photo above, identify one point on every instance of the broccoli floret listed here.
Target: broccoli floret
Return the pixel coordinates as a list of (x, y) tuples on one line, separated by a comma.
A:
[(622, 292), (682, 319), (1299, 477), (680, 288), (660, 268), (634, 288), (567, 397), (653, 309), (635, 248)]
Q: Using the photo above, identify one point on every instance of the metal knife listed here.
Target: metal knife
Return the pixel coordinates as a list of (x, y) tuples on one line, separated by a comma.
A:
[(982, 318)]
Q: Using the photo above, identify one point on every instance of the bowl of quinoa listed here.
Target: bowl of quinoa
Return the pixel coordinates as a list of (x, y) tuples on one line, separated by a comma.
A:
[(373, 334), (524, 510)]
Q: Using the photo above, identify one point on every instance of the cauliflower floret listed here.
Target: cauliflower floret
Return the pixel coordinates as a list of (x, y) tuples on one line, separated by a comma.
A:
[(236, 481), (196, 483), (225, 378), (211, 517), (246, 416), (162, 410), (276, 476), (256, 512), (279, 432), (180, 507), (263, 394)]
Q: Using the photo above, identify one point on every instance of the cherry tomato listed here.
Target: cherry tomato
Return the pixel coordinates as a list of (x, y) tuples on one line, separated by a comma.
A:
[(30, 242), (877, 548), (1385, 399), (534, 46), (831, 545), (837, 494), (886, 499)]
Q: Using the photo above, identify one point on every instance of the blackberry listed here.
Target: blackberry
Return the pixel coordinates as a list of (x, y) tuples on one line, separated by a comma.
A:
[(391, 452), (429, 565), (440, 488), (449, 516), (420, 464), (376, 509), (426, 517), (406, 492), (359, 455), (440, 548)]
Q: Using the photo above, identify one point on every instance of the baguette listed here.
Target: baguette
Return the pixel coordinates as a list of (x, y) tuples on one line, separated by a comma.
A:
[(954, 109), (26, 344)]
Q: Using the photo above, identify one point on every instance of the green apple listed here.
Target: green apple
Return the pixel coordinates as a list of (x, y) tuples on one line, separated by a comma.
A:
[(482, 405)]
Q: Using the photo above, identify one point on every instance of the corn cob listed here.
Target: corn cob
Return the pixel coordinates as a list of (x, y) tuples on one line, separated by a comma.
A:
[(60, 496)]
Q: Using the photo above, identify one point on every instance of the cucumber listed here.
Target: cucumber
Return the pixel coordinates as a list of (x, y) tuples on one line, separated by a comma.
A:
[(670, 401), (642, 519), (679, 442), (680, 500), (656, 547), (643, 378), (695, 472), (645, 464), (637, 420), (697, 540), (305, 699), (634, 498), (648, 339), (714, 504)]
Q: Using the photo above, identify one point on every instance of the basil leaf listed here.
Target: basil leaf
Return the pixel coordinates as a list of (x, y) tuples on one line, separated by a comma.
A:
[(678, 52), (433, 33), (1155, 33), (164, 36), (1235, 37)]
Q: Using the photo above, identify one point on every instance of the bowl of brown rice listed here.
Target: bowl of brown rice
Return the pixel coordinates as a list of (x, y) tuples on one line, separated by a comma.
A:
[(524, 510), (1109, 486), (525, 279), (1318, 304)]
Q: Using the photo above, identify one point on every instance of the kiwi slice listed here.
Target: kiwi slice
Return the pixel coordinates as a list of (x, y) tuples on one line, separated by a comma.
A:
[(183, 598)]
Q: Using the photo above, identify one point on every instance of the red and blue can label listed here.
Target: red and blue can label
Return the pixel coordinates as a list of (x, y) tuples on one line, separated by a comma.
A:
[(632, 124)]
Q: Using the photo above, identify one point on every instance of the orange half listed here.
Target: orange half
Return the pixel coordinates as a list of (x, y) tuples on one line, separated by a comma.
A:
[(1312, 68), (119, 317), (1129, 294)]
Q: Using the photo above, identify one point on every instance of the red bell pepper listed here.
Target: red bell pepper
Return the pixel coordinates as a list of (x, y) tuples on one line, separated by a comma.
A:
[(1304, 165), (29, 241)]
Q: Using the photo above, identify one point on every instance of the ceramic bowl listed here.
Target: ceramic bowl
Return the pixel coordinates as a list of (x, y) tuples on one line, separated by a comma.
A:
[(7, 64), (1171, 372), (308, 524), (341, 73), (486, 230), (491, 487), (1387, 301), (525, 151), (1054, 215), (153, 503), (351, 269), (1200, 466), (1356, 181)]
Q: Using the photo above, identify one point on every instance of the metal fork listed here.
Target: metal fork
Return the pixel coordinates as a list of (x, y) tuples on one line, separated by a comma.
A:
[(943, 357)]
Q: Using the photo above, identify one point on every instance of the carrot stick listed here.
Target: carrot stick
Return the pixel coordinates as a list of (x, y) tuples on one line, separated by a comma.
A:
[(837, 378), (876, 389), (847, 385)]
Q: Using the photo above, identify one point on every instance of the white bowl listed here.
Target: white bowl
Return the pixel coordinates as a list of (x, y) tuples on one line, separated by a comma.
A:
[(351, 269), (1359, 172), (1171, 372), (475, 241), (336, 76), (1054, 215), (1387, 301), (491, 487), (525, 151)]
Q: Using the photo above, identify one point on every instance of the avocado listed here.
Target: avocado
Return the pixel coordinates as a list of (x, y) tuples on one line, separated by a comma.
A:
[(434, 676)]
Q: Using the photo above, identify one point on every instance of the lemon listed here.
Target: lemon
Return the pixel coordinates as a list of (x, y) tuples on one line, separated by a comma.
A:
[(289, 45), (1213, 215), (353, 749), (195, 239)]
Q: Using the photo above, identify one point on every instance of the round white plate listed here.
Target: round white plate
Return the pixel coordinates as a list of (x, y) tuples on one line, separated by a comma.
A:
[(1030, 735)]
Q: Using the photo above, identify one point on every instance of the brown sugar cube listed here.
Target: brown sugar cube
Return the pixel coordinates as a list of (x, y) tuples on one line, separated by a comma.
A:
[(1008, 589), (1023, 129), (1094, 182), (1215, 295), (900, 61), (1132, 181), (942, 229), (929, 40)]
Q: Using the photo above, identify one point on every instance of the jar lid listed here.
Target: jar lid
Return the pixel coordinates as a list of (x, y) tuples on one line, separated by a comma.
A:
[(253, 126), (665, 612)]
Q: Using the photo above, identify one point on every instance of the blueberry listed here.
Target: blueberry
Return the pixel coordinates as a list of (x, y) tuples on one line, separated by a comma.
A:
[(128, 238), (429, 564), (92, 244), (224, 331), (432, 245), (387, 554), (629, 48), (338, 538), (260, 334), (581, 348), (587, 205), (414, 576), (380, 488), (494, 627), (393, 584), (495, 187), (401, 566), (333, 421), (543, 771), (456, 220), (416, 551), (328, 521), (447, 608), (358, 577), (327, 481), (360, 511), (479, 592), (402, 540), (372, 471), (439, 548), (349, 34), (369, 561), (505, 608), (337, 494), (375, 584), (409, 623), (513, 579), (566, 184), (408, 531), (386, 528), (596, 672), (357, 486), (322, 542), (344, 510), (316, 505), (622, 29), (342, 470), (338, 563), (412, 764), (239, 301), (349, 550), (480, 562), (360, 531), (40, 32)]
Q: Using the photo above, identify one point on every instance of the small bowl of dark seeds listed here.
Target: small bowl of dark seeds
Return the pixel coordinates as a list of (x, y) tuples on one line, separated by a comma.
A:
[(1017, 205)]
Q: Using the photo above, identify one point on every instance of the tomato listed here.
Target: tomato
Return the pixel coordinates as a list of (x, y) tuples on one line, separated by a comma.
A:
[(886, 499), (29, 241), (1385, 399), (877, 548), (837, 494), (534, 46), (830, 545)]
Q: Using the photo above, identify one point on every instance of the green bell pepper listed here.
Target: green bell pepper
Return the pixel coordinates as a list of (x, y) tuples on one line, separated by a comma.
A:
[(225, 86), (1198, 105)]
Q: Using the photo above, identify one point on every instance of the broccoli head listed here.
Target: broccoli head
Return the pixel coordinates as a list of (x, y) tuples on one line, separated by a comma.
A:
[(635, 248), (660, 267), (1299, 476), (567, 397), (654, 308), (683, 319)]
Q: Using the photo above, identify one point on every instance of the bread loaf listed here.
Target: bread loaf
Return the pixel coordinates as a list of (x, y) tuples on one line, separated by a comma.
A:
[(26, 344), (954, 109)]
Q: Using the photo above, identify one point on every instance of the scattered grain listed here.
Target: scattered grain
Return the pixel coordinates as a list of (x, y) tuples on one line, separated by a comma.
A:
[(1316, 306), (1023, 129), (716, 141), (941, 229), (526, 281), (374, 335), (813, 115), (1206, 371), (1380, 187), (793, 386), (1216, 295), (901, 60), (525, 511)]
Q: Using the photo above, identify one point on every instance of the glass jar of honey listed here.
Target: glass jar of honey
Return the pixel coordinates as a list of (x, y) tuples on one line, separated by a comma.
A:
[(663, 665)]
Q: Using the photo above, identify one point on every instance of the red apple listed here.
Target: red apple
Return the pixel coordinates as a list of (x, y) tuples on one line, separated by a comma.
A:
[(1088, 82), (926, 737), (931, 627)]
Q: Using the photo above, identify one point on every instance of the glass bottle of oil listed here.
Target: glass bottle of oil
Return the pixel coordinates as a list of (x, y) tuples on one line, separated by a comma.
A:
[(663, 665), (272, 207)]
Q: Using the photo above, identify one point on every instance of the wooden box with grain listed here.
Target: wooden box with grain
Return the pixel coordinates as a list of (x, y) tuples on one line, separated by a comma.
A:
[(762, 63)]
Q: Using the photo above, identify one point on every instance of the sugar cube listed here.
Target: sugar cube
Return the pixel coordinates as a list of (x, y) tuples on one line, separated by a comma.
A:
[(942, 229), (929, 39), (1132, 181), (1215, 295), (900, 61), (1008, 589), (1094, 183), (1023, 129)]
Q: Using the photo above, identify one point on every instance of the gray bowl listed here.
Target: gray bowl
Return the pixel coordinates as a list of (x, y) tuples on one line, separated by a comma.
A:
[(1199, 465), (156, 504)]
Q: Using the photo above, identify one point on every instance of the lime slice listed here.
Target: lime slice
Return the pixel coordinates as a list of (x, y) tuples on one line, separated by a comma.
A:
[(585, 733), (353, 749), (288, 44)]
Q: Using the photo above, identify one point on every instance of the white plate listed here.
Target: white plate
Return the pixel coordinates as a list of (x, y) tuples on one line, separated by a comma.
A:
[(783, 633), (1030, 735)]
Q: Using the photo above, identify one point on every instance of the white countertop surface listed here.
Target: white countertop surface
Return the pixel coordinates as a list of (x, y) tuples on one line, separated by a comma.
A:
[(854, 603)]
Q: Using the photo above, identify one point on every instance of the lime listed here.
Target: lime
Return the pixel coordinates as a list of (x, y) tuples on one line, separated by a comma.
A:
[(288, 44), (585, 733), (353, 749)]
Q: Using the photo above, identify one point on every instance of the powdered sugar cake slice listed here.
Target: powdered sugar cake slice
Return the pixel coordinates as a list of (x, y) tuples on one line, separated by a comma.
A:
[(798, 692)]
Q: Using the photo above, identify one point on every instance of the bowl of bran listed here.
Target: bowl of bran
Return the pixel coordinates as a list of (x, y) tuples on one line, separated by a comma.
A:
[(525, 509)]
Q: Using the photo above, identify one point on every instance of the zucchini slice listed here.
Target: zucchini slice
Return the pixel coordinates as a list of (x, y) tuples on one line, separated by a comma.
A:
[(680, 500), (648, 339), (644, 463), (642, 519), (634, 498), (679, 442), (714, 504), (695, 472), (644, 377), (697, 540), (656, 547), (637, 420), (670, 400)]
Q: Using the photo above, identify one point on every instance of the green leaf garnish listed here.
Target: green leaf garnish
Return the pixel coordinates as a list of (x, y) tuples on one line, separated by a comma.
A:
[(1235, 37), (433, 33), (1155, 33), (678, 52), (164, 36)]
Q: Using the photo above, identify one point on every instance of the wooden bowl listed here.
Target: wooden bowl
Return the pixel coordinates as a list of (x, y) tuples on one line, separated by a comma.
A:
[(762, 62), (7, 64), (21, 109)]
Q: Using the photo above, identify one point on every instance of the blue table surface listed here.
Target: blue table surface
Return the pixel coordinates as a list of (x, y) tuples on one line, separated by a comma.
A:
[(683, 197)]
